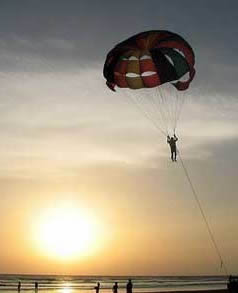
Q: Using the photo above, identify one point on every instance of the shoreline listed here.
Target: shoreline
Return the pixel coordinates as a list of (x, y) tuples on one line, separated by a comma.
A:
[(190, 291), (215, 290)]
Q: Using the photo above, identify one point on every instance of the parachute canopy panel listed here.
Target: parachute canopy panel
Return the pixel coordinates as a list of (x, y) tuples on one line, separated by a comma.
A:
[(148, 60)]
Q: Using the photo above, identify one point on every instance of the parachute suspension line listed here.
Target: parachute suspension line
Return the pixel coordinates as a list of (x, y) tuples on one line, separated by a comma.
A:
[(179, 104), (138, 104), (203, 215), (170, 102), (153, 109), (147, 110), (147, 115), (177, 107), (176, 110), (164, 107), (174, 102), (146, 104), (159, 110)]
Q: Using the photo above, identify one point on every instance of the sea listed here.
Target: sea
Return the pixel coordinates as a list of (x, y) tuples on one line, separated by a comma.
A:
[(86, 284)]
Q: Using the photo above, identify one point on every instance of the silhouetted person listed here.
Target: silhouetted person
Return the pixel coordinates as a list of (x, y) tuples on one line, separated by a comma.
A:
[(115, 287), (97, 288), (36, 286), (172, 142), (19, 286), (129, 286)]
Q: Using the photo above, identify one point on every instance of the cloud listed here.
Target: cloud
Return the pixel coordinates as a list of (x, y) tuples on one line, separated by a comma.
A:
[(64, 119), (61, 128)]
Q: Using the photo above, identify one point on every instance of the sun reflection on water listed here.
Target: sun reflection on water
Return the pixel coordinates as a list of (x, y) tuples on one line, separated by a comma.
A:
[(66, 289)]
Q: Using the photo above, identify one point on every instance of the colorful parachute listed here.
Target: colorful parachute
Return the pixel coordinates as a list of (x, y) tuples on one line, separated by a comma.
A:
[(149, 60)]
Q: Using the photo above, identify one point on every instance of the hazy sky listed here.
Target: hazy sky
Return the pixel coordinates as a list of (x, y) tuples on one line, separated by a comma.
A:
[(67, 139)]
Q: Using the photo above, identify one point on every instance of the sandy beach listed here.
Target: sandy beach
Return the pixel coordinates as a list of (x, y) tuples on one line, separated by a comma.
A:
[(149, 284), (194, 291)]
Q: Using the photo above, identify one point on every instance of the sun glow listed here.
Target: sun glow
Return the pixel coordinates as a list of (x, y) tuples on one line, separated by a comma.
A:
[(67, 232), (66, 290)]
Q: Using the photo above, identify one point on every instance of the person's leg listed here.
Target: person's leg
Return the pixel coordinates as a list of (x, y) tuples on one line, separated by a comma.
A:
[(172, 155), (175, 155)]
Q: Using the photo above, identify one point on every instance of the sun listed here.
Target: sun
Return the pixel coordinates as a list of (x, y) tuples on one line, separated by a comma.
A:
[(67, 232)]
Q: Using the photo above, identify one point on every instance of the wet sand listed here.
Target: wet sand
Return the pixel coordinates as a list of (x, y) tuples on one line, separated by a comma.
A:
[(193, 291)]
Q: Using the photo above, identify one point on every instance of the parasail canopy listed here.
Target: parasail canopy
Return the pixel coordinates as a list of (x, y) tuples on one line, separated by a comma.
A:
[(150, 62), (150, 59)]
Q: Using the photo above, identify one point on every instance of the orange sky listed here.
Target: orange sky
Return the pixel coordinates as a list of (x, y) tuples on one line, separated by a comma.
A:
[(69, 146)]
